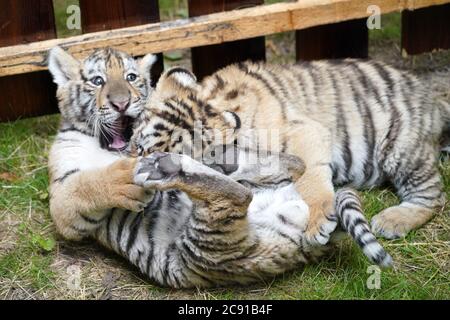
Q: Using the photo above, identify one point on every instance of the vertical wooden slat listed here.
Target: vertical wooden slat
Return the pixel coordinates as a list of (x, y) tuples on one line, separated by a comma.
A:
[(426, 29), (100, 15), (207, 59), (23, 21), (338, 40)]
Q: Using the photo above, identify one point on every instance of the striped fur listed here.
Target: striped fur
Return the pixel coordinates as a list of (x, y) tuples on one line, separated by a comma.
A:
[(353, 222), (201, 229), (195, 227), (353, 122)]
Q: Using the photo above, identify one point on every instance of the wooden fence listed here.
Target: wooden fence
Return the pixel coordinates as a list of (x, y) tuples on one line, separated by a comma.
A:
[(217, 33)]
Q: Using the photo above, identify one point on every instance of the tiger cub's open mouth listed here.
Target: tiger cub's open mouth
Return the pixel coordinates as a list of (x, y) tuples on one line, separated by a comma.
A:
[(116, 136)]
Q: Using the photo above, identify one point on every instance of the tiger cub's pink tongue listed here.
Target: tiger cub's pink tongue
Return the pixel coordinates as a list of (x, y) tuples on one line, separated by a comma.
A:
[(118, 142)]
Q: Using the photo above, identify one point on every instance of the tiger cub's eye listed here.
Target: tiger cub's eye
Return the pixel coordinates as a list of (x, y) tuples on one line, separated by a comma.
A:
[(98, 81), (131, 77)]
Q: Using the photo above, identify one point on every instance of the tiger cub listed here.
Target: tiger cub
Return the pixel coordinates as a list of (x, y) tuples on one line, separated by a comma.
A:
[(205, 228), (353, 122), (99, 99)]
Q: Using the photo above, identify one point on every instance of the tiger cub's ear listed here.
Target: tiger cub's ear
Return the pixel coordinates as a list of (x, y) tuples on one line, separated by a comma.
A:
[(232, 120), (146, 67), (63, 66), (182, 77)]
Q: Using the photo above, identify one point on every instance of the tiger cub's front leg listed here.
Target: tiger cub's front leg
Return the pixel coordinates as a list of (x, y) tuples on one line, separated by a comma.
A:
[(80, 201), (174, 171), (312, 143), (220, 201)]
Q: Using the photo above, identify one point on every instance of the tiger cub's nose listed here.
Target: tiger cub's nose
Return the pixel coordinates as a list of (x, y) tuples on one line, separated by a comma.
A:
[(120, 104)]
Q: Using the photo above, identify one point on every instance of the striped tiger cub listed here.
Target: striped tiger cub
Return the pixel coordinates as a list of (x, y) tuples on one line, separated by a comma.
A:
[(182, 223), (99, 99), (353, 122), (205, 228)]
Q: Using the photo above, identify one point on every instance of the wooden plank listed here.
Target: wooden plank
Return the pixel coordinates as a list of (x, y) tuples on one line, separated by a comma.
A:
[(348, 39), (426, 29), (203, 30), (107, 15), (207, 59), (24, 21)]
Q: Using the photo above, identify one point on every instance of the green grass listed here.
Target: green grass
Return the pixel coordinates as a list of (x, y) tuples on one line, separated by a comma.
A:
[(34, 260), (61, 16), (390, 28)]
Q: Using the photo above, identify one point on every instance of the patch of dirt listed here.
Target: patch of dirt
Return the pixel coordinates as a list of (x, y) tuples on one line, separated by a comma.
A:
[(9, 223)]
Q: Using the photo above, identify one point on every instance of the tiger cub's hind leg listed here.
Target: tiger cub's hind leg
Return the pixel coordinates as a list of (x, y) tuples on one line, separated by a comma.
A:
[(421, 193)]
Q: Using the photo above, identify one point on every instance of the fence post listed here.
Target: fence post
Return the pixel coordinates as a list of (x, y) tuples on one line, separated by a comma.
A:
[(102, 15), (426, 29), (32, 94), (207, 59), (339, 40)]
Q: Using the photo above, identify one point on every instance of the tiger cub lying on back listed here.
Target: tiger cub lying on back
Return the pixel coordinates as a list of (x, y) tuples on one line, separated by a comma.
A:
[(195, 226), (357, 123)]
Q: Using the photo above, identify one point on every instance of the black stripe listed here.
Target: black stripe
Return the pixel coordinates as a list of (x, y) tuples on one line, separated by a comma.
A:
[(108, 229), (436, 186), (395, 120), (81, 231), (365, 243), (342, 125), (179, 70), (356, 222), (214, 244), (209, 110), (165, 271), (369, 126), (90, 219), (153, 214), (194, 257), (186, 107), (220, 84), (283, 90), (160, 127), (172, 119), (66, 175), (125, 216), (194, 272), (72, 128), (266, 83)]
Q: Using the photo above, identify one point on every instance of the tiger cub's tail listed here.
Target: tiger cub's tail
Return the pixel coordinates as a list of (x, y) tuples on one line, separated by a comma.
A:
[(352, 221)]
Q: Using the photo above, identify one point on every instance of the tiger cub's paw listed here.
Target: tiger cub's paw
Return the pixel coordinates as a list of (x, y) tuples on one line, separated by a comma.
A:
[(396, 222), (118, 188), (322, 222), (158, 170)]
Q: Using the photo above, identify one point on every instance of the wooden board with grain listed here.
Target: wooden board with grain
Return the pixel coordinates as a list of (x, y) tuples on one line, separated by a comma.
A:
[(203, 30)]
